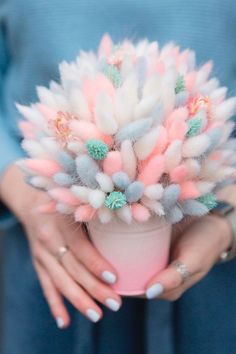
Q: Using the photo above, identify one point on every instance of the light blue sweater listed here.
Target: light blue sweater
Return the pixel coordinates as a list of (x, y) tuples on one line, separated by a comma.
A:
[(36, 35)]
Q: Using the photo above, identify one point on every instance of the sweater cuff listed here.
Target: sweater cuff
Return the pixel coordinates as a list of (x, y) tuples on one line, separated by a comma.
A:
[(10, 152)]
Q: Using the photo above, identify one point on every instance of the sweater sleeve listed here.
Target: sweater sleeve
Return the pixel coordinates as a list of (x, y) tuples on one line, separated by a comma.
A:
[(10, 149)]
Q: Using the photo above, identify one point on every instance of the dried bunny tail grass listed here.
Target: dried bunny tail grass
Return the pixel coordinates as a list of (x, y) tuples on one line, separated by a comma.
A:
[(67, 162), (84, 213), (105, 46), (225, 110), (31, 114), (64, 195), (53, 100), (139, 212), (85, 130), (34, 149), (179, 174), (196, 146), (162, 142), (104, 115), (145, 107), (203, 74), (81, 192), (152, 172), (134, 130), (78, 104), (64, 179), (46, 97), (160, 125), (27, 129), (152, 84), (48, 113), (179, 114), (105, 182), (154, 191), (76, 147), (194, 208), (96, 198), (174, 215), (170, 196), (209, 86), (125, 100), (42, 167), (112, 163), (87, 170), (153, 205), (189, 190), (40, 182), (105, 215), (205, 187), (218, 95), (51, 145), (121, 180), (134, 191), (129, 161), (125, 214), (177, 130), (145, 145), (64, 209), (173, 155), (193, 168)]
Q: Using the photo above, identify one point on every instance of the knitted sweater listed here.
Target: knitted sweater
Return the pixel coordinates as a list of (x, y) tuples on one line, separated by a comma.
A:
[(36, 35)]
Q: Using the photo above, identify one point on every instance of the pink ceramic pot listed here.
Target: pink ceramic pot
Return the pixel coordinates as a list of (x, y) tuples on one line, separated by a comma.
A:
[(137, 251)]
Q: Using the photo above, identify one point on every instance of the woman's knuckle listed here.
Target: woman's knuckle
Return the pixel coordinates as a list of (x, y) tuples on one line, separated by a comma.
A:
[(175, 282), (36, 255), (74, 296), (44, 236)]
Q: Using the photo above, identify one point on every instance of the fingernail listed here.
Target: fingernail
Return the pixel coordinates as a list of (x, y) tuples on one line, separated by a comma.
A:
[(60, 322), (113, 304), (154, 291), (109, 277), (93, 315)]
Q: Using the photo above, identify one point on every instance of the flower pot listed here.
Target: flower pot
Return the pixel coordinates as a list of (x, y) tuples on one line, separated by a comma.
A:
[(137, 251)]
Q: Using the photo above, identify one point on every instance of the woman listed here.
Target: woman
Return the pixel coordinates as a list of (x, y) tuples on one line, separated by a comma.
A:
[(35, 37)]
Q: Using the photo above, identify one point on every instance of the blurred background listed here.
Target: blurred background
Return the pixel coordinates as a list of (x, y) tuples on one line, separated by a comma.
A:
[(1, 257)]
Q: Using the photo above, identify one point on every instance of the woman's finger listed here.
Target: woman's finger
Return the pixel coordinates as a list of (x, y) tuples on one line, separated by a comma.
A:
[(98, 290), (176, 293), (68, 287), (170, 279), (87, 254), (77, 270), (53, 297)]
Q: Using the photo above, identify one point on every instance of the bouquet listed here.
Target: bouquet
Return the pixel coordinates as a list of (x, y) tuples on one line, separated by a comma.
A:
[(130, 141)]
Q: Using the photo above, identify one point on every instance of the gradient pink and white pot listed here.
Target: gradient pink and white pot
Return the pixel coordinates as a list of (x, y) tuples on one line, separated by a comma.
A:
[(137, 251)]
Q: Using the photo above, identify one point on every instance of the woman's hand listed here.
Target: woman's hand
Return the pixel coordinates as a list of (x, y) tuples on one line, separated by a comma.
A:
[(82, 275), (199, 247)]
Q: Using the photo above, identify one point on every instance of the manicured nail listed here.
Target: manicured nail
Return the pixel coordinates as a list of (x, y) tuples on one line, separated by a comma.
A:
[(109, 277), (113, 304), (154, 291), (60, 322), (93, 315)]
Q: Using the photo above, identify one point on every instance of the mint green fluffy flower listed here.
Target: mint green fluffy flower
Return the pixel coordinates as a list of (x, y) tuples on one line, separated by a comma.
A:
[(113, 74), (209, 200), (180, 84), (97, 149), (115, 200)]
